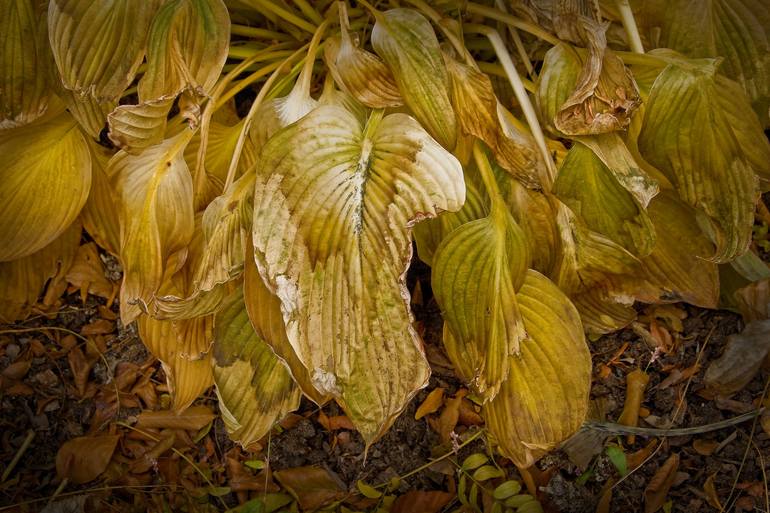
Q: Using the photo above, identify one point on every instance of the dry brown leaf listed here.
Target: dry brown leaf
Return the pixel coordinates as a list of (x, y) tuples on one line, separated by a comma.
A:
[(313, 487), (431, 404), (421, 502), (81, 368), (192, 419), (705, 447), (449, 416), (635, 459), (603, 506), (149, 459), (468, 415), (82, 459), (87, 272), (711, 492), (636, 382), (335, 422), (17, 370), (98, 327), (741, 360), (658, 487)]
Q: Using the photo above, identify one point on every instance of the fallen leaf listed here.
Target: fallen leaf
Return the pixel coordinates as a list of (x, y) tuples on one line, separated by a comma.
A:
[(17, 370), (149, 459), (636, 382), (87, 272), (82, 459), (98, 327), (431, 404), (658, 487), (335, 422), (449, 416), (741, 360), (421, 502), (81, 368), (637, 458), (313, 487), (705, 447), (192, 419), (468, 415), (711, 492)]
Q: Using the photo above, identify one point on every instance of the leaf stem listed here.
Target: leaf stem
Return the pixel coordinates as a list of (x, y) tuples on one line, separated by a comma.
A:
[(517, 41), (258, 33), (284, 14), (491, 12), (309, 11), (629, 23), (521, 95), (22, 449)]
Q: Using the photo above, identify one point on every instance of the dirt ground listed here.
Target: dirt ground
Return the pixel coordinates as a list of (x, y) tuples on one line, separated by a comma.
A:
[(54, 398)]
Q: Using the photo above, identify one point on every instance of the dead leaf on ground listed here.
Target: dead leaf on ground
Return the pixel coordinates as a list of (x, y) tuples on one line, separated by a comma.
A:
[(17, 370), (421, 502), (82, 459), (658, 487), (313, 487), (149, 459), (87, 273), (98, 327), (431, 404), (192, 419), (711, 492), (741, 360), (468, 414), (335, 422), (637, 458), (81, 365), (447, 421), (705, 447)]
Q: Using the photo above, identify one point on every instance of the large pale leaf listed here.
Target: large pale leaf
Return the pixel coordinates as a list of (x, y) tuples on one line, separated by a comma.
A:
[(22, 280), (23, 63), (333, 207), (691, 134), (100, 214), (590, 189), (264, 309), (186, 49), (183, 347), (254, 388), (406, 42), (535, 215), (46, 176), (155, 195), (477, 270), (602, 314), (98, 46), (479, 114), (545, 398), (738, 30)]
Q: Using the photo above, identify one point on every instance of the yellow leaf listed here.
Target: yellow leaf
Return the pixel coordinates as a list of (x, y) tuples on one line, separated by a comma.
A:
[(255, 389), (545, 398), (101, 214), (135, 127), (333, 207), (46, 168), (155, 195), (23, 63), (406, 42)]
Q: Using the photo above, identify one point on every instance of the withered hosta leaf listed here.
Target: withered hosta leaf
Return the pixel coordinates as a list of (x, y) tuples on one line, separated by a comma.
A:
[(82, 459), (333, 207), (100, 214), (691, 134), (22, 280), (602, 314), (361, 74), (254, 388), (98, 46), (46, 176), (90, 114), (741, 360), (135, 127), (586, 95), (738, 30), (545, 398), (155, 195), (535, 215), (183, 347), (186, 49), (477, 270), (478, 114), (406, 42), (673, 271), (221, 141), (23, 63), (589, 188)]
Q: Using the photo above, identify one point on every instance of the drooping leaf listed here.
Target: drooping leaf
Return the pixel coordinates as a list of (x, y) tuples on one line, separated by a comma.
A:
[(406, 42), (545, 398), (333, 207), (691, 134), (535, 216), (155, 195), (23, 63), (602, 314), (186, 49), (477, 270), (100, 214), (90, 114), (46, 170), (589, 188), (220, 144), (479, 114), (361, 74), (135, 127), (98, 46), (82, 459), (254, 388), (22, 280)]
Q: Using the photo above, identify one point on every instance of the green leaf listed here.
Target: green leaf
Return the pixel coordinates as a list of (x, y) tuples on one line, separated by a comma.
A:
[(333, 207), (368, 491), (406, 42), (255, 464), (692, 134), (589, 188), (618, 459), (487, 472), (474, 461), (254, 388), (506, 489)]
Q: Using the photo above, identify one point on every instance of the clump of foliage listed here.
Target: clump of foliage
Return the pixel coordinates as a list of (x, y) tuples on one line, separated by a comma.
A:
[(266, 253)]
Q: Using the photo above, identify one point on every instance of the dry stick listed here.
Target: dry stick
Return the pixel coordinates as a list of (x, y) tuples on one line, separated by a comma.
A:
[(24, 446), (85, 492), (627, 16), (620, 429)]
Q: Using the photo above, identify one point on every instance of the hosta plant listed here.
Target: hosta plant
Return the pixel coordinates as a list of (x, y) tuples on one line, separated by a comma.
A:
[(263, 169)]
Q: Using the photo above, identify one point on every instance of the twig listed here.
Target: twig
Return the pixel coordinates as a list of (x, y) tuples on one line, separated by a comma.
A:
[(619, 429), (24, 446)]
